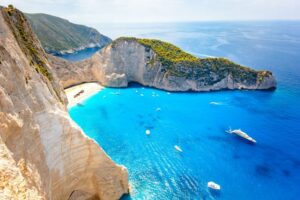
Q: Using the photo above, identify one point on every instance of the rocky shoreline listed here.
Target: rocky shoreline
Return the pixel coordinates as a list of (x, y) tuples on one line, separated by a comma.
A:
[(127, 60)]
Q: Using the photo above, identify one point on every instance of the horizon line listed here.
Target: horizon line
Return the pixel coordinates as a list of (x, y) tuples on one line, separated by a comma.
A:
[(195, 21)]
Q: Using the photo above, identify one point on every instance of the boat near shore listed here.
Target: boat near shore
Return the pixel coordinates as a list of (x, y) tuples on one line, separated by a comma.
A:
[(178, 148), (147, 132), (242, 134), (213, 185)]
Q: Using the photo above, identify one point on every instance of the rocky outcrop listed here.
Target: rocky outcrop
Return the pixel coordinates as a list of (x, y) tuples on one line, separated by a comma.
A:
[(161, 65), (43, 153), (70, 73)]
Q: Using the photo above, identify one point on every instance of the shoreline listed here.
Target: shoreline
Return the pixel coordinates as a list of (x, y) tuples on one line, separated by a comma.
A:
[(78, 93)]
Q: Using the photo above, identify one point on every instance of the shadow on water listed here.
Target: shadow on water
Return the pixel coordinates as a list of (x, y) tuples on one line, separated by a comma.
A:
[(286, 173), (263, 170), (126, 197), (215, 193), (282, 164), (141, 123), (252, 105), (217, 138), (104, 113), (140, 116), (263, 92)]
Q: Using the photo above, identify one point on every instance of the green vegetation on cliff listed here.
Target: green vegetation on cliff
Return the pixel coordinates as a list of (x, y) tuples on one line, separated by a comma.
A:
[(26, 39), (57, 34), (177, 63), (168, 53)]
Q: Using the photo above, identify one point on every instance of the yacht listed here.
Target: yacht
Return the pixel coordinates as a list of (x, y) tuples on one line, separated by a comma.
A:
[(213, 185), (242, 134), (178, 148)]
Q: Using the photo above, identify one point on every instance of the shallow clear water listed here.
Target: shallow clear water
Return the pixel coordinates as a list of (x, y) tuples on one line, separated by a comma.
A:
[(267, 170)]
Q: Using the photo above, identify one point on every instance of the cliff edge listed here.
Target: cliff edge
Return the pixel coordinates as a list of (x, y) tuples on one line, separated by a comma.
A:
[(161, 65), (43, 153)]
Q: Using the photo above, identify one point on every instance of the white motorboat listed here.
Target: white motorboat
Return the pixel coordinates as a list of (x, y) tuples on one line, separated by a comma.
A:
[(215, 103), (178, 148), (242, 134), (148, 132), (213, 185)]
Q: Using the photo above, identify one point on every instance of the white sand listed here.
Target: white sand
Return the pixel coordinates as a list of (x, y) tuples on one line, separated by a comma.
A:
[(88, 89)]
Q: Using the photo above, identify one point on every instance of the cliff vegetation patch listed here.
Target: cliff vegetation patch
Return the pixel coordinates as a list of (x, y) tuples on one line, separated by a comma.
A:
[(179, 63), (25, 38)]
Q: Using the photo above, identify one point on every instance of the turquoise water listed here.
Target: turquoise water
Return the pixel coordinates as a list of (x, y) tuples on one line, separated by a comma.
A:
[(268, 170)]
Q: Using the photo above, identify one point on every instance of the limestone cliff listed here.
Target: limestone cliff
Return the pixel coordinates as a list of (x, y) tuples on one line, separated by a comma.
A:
[(43, 153), (161, 65)]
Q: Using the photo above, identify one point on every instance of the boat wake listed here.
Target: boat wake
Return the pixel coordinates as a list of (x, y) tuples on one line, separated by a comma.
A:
[(216, 103)]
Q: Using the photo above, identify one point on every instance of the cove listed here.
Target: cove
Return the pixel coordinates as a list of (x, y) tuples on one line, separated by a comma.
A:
[(118, 118), (268, 170)]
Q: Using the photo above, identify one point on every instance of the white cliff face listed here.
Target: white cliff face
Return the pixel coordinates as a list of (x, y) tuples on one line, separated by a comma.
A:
[(126, 61), (69, 73), (43, 153)]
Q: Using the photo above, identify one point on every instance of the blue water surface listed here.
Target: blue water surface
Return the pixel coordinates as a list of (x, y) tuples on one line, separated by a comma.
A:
[(196, 122), (79, 55)]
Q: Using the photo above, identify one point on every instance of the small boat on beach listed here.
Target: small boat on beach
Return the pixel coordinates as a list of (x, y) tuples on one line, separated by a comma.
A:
[(242, 134), (178, 148), (78, 94), (213, 185)]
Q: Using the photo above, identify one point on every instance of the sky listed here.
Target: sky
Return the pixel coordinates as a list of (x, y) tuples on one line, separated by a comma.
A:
[(91, 12)]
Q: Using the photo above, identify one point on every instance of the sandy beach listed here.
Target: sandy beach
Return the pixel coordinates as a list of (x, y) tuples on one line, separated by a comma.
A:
[(79, 93)]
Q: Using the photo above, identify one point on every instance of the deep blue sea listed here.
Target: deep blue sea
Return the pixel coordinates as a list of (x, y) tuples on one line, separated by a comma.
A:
[(268, 170), (79, 55)]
